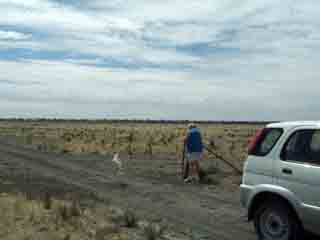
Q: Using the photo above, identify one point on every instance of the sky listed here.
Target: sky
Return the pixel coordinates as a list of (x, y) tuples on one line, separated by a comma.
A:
[(238, 60)]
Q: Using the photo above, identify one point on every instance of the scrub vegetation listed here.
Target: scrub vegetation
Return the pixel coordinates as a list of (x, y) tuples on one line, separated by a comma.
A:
[(23, 218), (152, 140)]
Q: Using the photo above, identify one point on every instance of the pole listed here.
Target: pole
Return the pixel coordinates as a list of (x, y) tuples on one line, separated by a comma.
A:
[(184, 164), (218, 156)]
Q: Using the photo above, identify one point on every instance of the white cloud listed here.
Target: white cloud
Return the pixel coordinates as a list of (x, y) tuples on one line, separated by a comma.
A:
[(69, 29), (11, 35), (183, 94)]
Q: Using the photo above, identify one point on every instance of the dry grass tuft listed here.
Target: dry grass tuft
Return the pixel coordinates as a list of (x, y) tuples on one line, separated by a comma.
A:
[(130, 219), (154, 231), (47, 201), (66, 211), (75, 210), (107, 231), (63, 212)]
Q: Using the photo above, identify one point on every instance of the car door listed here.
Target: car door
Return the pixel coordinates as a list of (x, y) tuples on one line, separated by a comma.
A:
[(298, 170)]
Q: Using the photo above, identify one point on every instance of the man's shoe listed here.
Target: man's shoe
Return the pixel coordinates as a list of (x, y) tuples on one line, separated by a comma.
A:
[(188, 179)]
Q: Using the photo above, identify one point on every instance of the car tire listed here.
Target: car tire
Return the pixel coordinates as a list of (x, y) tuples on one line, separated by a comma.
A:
[(276, 221)]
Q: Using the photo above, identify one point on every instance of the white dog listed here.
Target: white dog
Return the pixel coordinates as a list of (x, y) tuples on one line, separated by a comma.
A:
[(117, 161)]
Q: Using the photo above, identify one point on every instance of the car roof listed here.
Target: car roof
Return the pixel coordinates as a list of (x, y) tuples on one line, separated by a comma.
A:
[(289, 125)]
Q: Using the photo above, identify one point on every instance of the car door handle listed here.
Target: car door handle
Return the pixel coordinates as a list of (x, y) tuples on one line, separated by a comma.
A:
[(287, 171)]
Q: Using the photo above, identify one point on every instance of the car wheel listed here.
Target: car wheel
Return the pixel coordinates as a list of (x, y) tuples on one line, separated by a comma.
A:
[(275, 221)]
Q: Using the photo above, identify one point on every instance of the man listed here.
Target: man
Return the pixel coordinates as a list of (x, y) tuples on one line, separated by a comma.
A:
[(194, 149)]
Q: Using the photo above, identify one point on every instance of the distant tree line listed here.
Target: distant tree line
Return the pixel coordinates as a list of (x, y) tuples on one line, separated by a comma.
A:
[(127, 121)]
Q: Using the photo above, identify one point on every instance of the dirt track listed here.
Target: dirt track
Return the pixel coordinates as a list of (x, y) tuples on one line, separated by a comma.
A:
[(155, 192)]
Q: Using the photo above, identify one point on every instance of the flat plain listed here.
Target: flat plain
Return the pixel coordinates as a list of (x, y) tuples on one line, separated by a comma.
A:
[(74, 158)]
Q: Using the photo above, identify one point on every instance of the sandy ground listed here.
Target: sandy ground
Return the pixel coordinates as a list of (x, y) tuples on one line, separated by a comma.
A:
[(151, 187)]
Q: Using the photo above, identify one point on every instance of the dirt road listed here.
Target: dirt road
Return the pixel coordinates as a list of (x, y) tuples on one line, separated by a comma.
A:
[(151, 188)]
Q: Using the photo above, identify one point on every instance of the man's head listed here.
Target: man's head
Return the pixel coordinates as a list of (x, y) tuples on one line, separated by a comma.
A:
[(191, 125)]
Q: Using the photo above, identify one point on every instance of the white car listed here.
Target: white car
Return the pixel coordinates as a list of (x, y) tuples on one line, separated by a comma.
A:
[(281, 182)]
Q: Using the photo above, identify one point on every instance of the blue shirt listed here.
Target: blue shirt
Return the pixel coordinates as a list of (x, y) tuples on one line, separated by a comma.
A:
[(194, 141)]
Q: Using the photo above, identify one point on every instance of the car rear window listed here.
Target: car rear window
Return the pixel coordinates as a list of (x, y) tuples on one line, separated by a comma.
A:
[(267, 140)]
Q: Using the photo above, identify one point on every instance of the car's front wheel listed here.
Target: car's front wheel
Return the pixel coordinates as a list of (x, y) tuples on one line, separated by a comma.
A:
[(275, 221)]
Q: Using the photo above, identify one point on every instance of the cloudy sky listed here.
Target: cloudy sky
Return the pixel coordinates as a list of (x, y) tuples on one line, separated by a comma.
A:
[(160, 59)]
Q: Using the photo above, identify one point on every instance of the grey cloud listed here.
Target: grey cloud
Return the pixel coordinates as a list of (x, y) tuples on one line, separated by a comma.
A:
[(215, 110), (74, 99)]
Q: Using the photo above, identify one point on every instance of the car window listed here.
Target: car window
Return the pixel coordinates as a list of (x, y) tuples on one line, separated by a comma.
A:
[(315, 141), (315, 148), (267, 141), (302, 146)]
